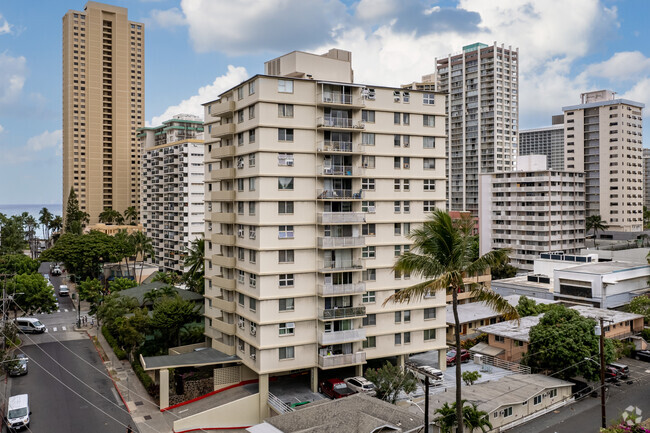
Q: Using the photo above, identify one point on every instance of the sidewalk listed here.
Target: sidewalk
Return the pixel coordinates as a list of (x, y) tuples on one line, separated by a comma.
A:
[(146, 416)]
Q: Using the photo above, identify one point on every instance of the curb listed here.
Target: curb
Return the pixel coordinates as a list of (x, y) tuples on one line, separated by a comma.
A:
[(109, 373)]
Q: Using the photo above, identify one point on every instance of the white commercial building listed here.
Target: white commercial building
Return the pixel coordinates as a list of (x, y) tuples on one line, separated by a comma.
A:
[(531, 211), (172, 188)]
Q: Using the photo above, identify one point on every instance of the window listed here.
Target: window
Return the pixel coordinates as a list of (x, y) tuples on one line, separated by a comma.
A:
[(285, 134), (397, 250), (407, 206), (285, 232), (241, 252), (368, 161), (397, 162), (368, 184), (406, 162), (499, 339), (285, 159), (406, 97), (285, 280), (285, 256), (537, 399), (396, 118), (241, 299), (429, 163), (286, 352), (407, 185), (553, 393), (285, 207), (397, 206), (252, 256), (368, 116), (406, 228), (428, 142), (251, 136), (240, 93), (253, 351), (240, 116), (286, 304), (240, 184), (507, 412), (398, 317), (251, 184), (368, 297), (285, 183), (286, 328), (251, 87), (397, 140), (367, 139), (407, 316), (251, 208), (368, 206), (407, 338), (369, 275), (429, 185), (285, 110), (369, 320), (252, 304), (252, 232), (398, 339), (368, 252), (428, 99), (252, 282), (251, 160), (241, 345), (428, 120), (397, 229), (429, 334), (397, 184), (368, 230), (241, 277), (240, 208), (369, 342), (406, 140), (251, 112), (285, 86), (429, 206), (406, 118)]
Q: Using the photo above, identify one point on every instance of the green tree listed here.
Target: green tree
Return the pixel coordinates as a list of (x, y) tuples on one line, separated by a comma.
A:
[(127, 248), (504, 270), (84, 255), (154, 295), (18, 264), (192, 333), (114, 307), (30, 224), (639, 305), (646, 218), (143, 249), (528, 307), (195, 266), (448, 417), (131, 331), (441, 254), (171, 278), (170, 314), (469, 377), (119, 284), (92, 291), (31, 294), (56, 224), (561, 342), (131, 215), (108, 216), (390, 379), (75, 219), (46, 220), (476, 419), (12, 235), (596, 224)]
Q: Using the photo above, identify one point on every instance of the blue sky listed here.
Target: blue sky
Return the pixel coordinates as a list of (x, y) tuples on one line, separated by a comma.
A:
[(194, 49)]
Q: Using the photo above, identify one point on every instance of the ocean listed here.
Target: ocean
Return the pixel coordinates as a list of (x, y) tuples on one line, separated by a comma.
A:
[(32, 209)]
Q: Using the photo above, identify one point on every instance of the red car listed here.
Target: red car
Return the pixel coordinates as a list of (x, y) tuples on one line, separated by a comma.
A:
[(335, 388), (451, 356)]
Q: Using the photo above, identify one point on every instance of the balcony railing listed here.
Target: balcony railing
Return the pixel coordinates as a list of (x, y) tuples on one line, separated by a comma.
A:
[(335, 122), (341, 265), (339, 194), (342, 241), (333, 361), (329, 289), (335, 146), (341, 337), (342, 313), (341, 217)]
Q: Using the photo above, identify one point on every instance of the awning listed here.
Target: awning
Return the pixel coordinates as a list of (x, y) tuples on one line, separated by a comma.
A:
[(486, 349), (198, 358)]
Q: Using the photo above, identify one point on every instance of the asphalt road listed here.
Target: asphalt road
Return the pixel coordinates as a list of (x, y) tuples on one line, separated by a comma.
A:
[(585, 415), (80, 399)]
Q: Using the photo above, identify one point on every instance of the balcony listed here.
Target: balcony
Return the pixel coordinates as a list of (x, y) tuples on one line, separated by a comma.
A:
[(220, 325), (338, 98), (222, 152), (224, 130), (222, 109), (335, 170), (226, 283), (329, 289), (221, 239), (330, 122), (224, 261), (221, 217), (340, 266), (339, 194), (223, 304), (341, 337), (338, 147), (341, 242), (341, 217), (342, 313), (223, 173), (221, 195), (335, 361)]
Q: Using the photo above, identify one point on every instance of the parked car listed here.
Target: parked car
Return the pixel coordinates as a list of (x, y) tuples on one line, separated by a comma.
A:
[(612, 374), (63, 290), (451, 356), (335, 388), (622, 368), (361, 384), (642, 355), (20, 368), (56, 271)]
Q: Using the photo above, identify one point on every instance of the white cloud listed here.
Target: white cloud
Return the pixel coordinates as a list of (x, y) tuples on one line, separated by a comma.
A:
[(626, 65), (192, 105), (45, 140), (1, 128), (5, 27), (12, 78), (166, 18), (371, 10), (36, 147)]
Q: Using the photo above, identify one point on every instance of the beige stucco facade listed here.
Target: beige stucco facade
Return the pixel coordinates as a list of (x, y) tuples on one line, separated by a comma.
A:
[(311, 188), (103, 105)]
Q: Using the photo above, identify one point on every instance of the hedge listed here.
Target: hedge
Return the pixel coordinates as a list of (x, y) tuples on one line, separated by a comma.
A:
[(119, 352), (146, 380)]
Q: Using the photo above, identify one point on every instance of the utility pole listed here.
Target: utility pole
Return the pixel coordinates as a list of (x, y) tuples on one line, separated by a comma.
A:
[(426, 404), (602, 374)]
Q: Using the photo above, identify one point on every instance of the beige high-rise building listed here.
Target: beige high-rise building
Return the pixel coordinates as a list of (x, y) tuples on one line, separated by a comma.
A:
[(313, 182), (103, 106), (603, 137)]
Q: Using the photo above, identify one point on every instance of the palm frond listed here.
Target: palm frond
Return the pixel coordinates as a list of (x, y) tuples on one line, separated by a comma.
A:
[(488, 260), (420, 290), (494, 301), (418, 265)]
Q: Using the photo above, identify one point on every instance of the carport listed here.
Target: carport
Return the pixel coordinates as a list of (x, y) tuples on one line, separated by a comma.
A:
[(197, 358)]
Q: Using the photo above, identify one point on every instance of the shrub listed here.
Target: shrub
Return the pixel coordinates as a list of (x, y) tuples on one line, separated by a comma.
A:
[(119, 352), (471, 342), (646, 334), (469, 377)]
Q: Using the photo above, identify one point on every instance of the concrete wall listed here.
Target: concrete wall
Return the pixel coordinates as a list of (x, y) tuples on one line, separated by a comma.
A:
[(239, 413)]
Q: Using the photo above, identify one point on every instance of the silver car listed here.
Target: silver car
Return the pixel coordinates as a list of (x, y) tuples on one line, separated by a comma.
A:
[(361, 385)]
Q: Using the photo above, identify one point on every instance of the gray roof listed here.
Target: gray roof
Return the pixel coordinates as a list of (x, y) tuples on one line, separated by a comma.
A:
[(506, 391), (139, 292), (474, 311), (601, 268), (512, 329), (611, 316), (208, 356), (357, 413)]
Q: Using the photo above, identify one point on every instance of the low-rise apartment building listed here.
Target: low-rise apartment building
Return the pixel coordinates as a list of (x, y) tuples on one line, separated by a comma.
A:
[(172, 194)]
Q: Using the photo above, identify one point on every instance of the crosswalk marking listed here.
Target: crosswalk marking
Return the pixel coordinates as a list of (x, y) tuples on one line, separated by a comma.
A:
[(66, 310), (54, 329), (63, 328)]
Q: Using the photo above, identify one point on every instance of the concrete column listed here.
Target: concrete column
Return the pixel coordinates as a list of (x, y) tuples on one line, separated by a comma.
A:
[(400, 361), (314, 379), (164, 388), (264, 396), (358, 370), (442, 359)]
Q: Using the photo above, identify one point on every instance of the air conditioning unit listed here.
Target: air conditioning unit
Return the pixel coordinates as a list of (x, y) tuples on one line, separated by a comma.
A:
[(406, 165), (371, 209), (290, 163), (253, 332), (291, 325), (253, 356), (241, 233), (251, 236)]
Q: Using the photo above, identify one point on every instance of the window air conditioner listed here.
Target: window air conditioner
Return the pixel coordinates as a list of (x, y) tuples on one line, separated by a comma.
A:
[(406, 165), (290, 163), (291, 325), (253, 356), (371, 209)]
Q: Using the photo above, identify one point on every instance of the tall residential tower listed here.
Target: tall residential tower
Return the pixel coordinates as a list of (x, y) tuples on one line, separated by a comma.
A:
[(103, 106), (482, 109)]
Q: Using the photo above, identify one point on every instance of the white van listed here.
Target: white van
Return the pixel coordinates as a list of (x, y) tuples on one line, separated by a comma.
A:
[(31, 325), (63, 290), (18, 412)]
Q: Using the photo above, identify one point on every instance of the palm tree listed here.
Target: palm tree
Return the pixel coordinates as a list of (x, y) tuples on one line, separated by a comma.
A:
[(143, 247), (56, 224), (108, 216), (30, 224), (131, 214), (595, 223), (127, 248), (171, 278), (442, 255), (195, 265), (476, 419), (447, 419), (45, 220)]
